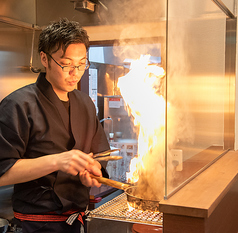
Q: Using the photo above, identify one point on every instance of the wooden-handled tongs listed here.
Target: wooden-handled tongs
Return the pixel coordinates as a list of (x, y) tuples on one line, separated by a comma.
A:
[(103, 156), (112, 183)]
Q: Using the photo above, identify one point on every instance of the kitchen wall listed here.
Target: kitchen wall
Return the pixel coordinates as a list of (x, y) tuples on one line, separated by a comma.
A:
[(15, 54), (23, 11)]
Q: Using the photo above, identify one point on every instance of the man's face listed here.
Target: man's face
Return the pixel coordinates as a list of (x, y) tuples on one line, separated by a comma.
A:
[(64, 82)]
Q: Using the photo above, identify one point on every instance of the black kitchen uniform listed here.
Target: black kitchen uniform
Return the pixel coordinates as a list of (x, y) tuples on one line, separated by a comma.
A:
[(34, 122)]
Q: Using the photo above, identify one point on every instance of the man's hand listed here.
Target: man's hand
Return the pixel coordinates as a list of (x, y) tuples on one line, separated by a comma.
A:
[(87, 180), (76, 161), (85, 177)]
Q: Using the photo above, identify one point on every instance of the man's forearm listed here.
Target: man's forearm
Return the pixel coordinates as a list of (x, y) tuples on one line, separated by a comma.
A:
[(25, 170), (71, 162)]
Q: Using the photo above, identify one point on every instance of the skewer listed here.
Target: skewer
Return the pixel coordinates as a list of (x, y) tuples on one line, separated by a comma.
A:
[(104, 153), (108, 158)]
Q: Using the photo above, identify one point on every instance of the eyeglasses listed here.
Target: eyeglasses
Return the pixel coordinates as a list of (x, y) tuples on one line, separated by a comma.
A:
[(81, 67)]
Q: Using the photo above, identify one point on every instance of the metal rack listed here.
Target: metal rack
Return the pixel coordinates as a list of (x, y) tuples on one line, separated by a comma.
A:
[(117, 209)]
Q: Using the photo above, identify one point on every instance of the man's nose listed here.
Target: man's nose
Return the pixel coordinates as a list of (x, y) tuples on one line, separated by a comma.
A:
[(76, 71)]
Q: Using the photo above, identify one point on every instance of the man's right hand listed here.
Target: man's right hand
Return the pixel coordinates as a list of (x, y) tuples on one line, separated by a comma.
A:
[(76, 161)]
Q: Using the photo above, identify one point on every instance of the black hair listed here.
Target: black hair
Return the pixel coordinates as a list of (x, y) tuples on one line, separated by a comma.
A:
[(60, 35)]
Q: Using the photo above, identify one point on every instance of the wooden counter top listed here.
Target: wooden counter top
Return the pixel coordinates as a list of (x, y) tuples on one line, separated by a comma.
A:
[(201, 195)]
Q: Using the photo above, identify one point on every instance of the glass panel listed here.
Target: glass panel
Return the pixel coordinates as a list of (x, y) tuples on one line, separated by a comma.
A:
[(135, 107), (182, 117), (196, 88)]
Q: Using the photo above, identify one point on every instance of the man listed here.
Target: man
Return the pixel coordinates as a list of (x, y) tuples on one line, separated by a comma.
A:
[(48, 133)]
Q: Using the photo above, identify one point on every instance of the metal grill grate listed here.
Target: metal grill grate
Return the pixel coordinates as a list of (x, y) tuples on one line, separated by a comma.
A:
[(117, 209)]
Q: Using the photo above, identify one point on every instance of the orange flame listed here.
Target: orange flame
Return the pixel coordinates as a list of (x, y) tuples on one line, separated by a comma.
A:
[(141, 91)]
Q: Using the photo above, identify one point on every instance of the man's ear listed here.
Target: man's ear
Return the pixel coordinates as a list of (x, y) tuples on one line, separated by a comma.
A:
[(44, 59)]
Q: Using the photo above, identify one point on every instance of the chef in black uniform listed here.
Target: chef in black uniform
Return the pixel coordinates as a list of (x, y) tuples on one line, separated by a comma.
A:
[(48, 133)]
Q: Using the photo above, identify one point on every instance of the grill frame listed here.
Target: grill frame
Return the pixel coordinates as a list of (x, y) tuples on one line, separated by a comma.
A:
[(117, 209)]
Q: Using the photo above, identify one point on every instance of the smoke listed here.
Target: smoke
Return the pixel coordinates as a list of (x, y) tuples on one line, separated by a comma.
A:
[(180, 122), (148, 106), (133, 11)]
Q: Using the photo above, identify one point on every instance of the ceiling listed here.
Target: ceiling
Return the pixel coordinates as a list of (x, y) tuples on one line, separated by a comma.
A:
[(109, 12)]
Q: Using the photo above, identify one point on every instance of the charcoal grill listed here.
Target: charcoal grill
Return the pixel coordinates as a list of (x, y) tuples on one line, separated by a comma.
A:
[(117, 209)]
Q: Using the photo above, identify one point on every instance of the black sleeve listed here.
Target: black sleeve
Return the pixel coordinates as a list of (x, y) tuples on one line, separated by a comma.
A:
[(13, 134)]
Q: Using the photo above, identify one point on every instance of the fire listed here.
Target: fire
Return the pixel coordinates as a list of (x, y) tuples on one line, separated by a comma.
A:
[(130, 208), (133, 176), (142, 91)]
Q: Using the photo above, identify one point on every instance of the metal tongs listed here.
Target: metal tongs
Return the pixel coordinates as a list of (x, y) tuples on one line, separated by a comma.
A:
[(103, 156)]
